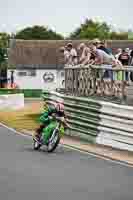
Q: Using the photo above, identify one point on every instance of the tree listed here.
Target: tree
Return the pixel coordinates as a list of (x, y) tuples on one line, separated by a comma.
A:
[(4, 40), (38, 33), (90, 30), (3, 55), (93, 29), (4, 43), (119, 36)]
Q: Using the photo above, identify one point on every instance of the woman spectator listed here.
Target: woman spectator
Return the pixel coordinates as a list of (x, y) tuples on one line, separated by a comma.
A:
[(124, 58), (85, 54)]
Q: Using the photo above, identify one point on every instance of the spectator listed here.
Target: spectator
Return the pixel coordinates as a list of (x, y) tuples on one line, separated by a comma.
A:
[(103, 47), (127, 50), (71, 54), (68, 54), (119, 51), (124, 58), (131, 64), (85, 54), (64, 55), (96, 42), (131, 58), (102, 57)]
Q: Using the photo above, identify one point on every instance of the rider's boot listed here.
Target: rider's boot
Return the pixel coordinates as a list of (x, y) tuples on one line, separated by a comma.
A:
[(37, 136), (37, 139)]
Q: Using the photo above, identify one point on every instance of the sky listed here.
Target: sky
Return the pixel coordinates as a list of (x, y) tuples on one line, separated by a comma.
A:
[(63, 15)]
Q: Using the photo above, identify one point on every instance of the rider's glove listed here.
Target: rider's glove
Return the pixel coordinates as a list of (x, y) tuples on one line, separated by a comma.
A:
[(50, 117)]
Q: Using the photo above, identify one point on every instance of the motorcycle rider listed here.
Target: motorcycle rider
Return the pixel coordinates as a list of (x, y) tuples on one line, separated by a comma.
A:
[(47, 116)]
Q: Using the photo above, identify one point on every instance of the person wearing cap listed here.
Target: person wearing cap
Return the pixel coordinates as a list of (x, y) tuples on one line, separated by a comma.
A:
[(96, 42), (66, 51)]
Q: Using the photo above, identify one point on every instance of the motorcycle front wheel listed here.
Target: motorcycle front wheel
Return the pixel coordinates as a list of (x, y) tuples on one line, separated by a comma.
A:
[(36, 145), (53, 142)]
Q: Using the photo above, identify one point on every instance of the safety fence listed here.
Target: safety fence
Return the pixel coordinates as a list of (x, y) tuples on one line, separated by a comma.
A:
[(96, 121), (104, 80)]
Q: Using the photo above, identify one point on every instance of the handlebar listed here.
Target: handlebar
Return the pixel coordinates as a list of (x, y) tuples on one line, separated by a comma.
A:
[(60, 119)]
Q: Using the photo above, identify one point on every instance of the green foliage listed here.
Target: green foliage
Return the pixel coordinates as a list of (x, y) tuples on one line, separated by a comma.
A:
[(91, 29), (130, 35), (38, 33), (119, 36), (2, 55), (4, 43), (3, 58), (28, 93), (4, 40)]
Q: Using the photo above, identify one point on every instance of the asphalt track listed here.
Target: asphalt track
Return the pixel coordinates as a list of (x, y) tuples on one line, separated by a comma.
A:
[(63, 175)]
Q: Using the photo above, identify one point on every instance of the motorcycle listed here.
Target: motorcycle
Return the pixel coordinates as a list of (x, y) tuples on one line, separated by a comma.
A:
[(55, 131)]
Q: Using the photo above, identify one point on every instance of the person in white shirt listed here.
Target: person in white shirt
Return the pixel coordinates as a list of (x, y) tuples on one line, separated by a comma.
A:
[(127, 50), (71, 54), (119, 52), (67, 57)]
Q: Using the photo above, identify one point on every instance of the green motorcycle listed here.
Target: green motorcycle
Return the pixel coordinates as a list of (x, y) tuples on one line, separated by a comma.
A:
[(51, 135)]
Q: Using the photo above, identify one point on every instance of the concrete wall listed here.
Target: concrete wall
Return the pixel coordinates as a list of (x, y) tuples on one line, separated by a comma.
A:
[(37, 81)]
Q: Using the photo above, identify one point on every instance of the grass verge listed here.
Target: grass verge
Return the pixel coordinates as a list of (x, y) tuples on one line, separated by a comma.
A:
[(24, 119)]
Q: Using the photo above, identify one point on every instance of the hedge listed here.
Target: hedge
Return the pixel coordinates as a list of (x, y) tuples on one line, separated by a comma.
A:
[(28, 93)]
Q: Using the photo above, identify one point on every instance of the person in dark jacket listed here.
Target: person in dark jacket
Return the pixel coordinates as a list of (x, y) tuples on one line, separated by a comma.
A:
[(131, 64), (124, 58), (103, 47)]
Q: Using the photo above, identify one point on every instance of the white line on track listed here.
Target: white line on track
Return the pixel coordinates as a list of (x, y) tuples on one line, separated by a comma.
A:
[(123, 163)]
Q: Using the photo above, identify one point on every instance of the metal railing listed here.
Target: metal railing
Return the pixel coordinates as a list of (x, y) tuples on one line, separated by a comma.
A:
[(97, 80)]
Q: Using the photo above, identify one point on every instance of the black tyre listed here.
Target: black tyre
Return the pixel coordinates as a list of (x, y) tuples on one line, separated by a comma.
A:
[(36, 146), (54, 143)]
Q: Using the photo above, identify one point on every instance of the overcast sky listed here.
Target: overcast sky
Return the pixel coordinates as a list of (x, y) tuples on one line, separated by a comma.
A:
[(63, 15)]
